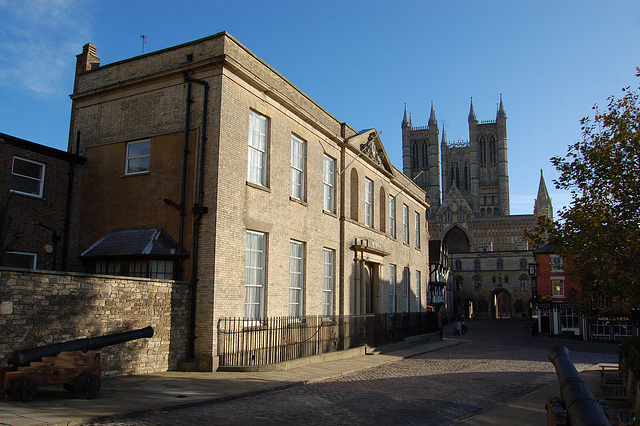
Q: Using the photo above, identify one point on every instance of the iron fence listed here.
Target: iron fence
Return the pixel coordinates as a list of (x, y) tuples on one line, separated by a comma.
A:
[(243, 342)]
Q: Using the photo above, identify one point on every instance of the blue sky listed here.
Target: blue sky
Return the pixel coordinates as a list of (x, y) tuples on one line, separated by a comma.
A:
[(361, 61)]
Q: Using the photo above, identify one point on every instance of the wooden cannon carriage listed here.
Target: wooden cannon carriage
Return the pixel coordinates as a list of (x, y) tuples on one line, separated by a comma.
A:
[(75, 364)]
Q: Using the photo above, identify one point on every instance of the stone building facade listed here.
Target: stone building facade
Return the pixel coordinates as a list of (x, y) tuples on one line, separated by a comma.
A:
[(467, 187), (281, 209)]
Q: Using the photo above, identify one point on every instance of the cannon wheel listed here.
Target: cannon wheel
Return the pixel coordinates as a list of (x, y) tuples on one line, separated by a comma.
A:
[(87, 386), (23, 389)]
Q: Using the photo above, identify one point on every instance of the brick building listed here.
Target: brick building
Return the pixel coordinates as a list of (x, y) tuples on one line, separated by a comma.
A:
[(35, 183), (206, 165)]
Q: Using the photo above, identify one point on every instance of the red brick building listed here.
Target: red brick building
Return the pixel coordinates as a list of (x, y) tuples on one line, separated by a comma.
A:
[(35, 181)]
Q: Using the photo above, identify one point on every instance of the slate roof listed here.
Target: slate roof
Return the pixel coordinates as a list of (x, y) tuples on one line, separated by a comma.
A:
[(140, 242)]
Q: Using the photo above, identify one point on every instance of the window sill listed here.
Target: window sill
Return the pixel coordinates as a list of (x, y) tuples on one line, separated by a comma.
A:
[(258, 186), (328, 213), (126, 175), (296, 200), (26, 194)]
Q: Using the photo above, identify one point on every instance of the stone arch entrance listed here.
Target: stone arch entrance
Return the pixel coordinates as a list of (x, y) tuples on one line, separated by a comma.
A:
[(501, 304), (456, 240)]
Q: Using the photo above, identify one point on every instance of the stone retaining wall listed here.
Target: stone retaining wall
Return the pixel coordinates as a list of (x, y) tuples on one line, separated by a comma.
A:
[(39, 308)]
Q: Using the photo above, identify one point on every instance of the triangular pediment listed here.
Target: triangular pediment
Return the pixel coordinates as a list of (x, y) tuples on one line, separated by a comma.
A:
[(455, 200), (369, 144)]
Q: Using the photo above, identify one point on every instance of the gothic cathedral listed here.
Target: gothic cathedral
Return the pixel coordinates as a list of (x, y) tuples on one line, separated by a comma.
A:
[(467, 188)]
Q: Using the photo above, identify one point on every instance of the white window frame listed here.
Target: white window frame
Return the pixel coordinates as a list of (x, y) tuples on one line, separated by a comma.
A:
[(33, 256), (392, 216), (255, 275), (298, 156), (329, 183), (296, 278), (416, 217), (553, 286), (368, 202), (328, 281), (405, 223), (18, 176), (392, 288), (258, 158), (128, 170)]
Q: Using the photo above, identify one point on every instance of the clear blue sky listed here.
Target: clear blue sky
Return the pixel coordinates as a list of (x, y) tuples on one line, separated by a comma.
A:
[(361, 61)]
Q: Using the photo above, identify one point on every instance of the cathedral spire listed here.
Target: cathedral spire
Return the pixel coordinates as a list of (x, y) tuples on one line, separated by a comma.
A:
[(410, 121), (543, 205), (472, 113), (432, 117), (405, 120), (444, 135), (501, 113)]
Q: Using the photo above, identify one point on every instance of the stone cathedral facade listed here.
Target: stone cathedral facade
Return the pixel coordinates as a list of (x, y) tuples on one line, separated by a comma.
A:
[(467, 188)]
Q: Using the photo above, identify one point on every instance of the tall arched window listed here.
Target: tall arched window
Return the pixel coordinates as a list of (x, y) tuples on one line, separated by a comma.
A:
[(354, 194), (499, 264), (458, 265), (492, 149)]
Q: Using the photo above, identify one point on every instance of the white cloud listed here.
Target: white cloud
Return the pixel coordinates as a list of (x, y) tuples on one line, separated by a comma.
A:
[(39, 43)]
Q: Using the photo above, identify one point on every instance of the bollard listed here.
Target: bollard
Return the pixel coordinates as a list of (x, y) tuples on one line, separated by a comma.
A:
[(581, 406)]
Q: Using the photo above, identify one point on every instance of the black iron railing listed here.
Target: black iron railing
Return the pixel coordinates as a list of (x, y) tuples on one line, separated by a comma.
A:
[(243, 342)]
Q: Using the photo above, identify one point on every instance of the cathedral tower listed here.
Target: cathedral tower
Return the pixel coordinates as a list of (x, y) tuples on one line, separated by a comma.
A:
[(543, 204), (421, 157)]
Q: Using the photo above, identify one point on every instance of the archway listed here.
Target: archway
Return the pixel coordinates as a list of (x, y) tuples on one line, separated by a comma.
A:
[(456, 241), (501, 304)]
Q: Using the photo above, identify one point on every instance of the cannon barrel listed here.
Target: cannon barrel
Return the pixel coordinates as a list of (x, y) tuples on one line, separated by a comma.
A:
[(578, 400), (25, 356)]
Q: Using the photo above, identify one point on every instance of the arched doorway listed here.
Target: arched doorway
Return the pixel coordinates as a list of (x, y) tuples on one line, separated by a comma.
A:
[(456, 240), (501, 304)]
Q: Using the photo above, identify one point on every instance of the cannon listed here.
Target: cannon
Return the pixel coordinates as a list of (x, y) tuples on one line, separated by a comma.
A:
[(76, 364)]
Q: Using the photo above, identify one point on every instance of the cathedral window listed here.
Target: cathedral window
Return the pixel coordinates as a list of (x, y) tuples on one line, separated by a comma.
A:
[(458, 265), (495, 211), (476, 265), (481, 212), (477, 282), (523, 263), (492, 150), (499, 264)]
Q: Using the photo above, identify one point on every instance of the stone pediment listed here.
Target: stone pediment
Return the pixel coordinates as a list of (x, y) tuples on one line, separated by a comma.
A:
[(369, 145), (454, 207)]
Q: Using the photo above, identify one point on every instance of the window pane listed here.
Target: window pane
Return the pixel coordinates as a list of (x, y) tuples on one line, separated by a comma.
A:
[(254, 275), (297, 167), (296, 278), (327, 281), (392, 289), (27, 177), (257, 158), (19, 260), (328, 178), (138, 157)]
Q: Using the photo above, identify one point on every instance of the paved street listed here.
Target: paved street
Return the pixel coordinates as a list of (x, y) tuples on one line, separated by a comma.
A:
[(496, 362)]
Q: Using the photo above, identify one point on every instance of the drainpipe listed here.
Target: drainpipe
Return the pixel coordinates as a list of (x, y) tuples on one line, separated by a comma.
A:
[(198, 211), (67, 216)]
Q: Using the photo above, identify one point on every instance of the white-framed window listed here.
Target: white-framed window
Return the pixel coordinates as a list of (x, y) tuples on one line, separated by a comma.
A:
[(392, 216), (406, 285), (557, 287), (405, 223), (16, 259), (296, 278), (417, 228), (556, 263), (569, 319), (258, 148), (392, 289), (329, 182), (328, 278), (254, 281), (138, 154), (27, 177), (298, 147), (368, 202)]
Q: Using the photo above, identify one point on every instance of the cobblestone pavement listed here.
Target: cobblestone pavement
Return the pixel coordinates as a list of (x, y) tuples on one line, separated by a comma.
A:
[(496, 362)]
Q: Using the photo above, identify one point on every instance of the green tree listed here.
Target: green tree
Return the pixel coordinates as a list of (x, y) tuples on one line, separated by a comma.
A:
[(600, 229)]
